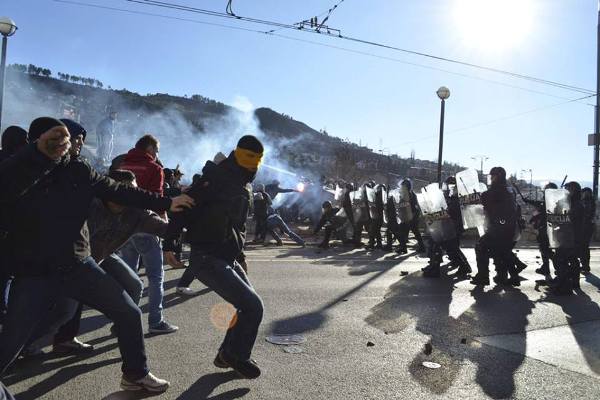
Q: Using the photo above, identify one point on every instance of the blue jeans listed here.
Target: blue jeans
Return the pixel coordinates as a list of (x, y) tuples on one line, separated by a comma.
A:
[(32, 297), (276, 222), (230, 282), (4, 393), (120, 272), (147, 247)]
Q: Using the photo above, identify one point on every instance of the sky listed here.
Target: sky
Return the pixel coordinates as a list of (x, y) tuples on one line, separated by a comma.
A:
[(386, 100)]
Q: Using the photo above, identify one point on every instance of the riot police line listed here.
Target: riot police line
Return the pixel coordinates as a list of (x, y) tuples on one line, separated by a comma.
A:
[(564, 223)]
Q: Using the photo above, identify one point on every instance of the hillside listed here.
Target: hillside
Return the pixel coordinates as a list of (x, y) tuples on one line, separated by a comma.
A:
[(32, 91)]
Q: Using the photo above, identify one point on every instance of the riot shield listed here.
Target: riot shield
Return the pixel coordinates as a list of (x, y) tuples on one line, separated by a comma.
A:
[(372, 202), (559, 226), (469, 194), (381, 196), (401, 198), (338, 195), (438, 222), (358, 201)]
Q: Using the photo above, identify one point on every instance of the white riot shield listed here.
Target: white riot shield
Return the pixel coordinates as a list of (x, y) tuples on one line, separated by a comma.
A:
[(401, 198), (469, 194), (383, 199), (559, 226), (358, 200), (438, 222), (338, 195), (372, 202)]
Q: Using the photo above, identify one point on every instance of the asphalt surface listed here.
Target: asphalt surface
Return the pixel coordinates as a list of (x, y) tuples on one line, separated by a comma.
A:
[(370, 320)]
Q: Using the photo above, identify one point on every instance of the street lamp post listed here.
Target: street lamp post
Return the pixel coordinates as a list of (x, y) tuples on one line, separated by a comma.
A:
[(7, 28), (443, 93)]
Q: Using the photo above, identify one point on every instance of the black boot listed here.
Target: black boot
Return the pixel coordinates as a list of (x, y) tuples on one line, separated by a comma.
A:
[(480, 280), (432, 272)]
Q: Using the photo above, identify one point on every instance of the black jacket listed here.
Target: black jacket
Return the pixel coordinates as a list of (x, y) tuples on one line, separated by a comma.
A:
[(216, 225), (49, 203)]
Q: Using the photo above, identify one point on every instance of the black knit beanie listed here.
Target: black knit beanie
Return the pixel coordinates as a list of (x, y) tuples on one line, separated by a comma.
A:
[(251, 143), (13, 138), (41, 125), (75, 129)]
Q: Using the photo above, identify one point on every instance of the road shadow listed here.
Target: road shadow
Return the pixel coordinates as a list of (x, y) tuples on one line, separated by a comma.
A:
[(425, 304), (203, 388), (310, 321), (24, 369), (580, 308), (61, 377)]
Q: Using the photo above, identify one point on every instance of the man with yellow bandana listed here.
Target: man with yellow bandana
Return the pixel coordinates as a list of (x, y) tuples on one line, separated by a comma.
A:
[(216, 231)]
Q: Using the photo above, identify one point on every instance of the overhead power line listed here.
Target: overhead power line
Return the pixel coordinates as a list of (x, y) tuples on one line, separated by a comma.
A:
[(337, 34), (313, 43), (331, 46), (493, 121)]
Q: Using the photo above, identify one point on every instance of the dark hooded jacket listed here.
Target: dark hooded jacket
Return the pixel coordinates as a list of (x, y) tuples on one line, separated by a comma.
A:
[(216, 225), (49, 203)]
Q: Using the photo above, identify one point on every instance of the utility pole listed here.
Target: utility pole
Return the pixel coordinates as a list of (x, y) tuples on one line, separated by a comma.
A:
[(597, 112)]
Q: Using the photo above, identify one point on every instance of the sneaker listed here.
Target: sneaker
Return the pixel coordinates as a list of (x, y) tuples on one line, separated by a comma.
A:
[(162, 328), (72, 346), (246, 369), (149, 383), (186, 291)]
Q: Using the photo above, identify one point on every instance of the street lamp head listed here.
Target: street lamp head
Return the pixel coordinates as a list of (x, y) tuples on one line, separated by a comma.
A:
[(443, 93), (7, 26)]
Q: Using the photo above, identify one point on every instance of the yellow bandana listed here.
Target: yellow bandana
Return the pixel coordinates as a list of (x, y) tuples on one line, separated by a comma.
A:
[(247, 159)]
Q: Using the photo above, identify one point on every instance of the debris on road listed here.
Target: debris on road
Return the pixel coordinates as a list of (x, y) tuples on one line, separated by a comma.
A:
[(403, 273), (370, 344), (286, 340), (463, 341), (431, 365)]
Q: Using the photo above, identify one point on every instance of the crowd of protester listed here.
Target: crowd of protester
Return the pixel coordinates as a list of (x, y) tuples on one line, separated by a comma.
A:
[(72, 237)]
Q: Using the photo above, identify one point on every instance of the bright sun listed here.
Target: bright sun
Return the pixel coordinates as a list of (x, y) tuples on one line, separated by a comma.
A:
[(493, 25)]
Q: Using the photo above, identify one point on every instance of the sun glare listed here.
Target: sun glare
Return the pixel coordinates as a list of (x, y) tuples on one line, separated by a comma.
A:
[(493, 25)]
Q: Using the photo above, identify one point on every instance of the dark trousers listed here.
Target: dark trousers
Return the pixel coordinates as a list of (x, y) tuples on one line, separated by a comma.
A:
[(412, 226), (375, 232), (567, 269), (358, 230), (500, 250), (588, 233), (452, 249), (229, 281), (4, 289), (187, 278), (545, 251), (129, 280), (32, 297), (260, 230)]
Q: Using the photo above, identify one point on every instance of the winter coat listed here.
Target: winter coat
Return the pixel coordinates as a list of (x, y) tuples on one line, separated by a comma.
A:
[(49, 203), (216, 225), (148, 173), (110, 231)]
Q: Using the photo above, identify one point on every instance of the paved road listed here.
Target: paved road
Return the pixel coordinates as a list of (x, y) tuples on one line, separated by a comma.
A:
[(493, 343)]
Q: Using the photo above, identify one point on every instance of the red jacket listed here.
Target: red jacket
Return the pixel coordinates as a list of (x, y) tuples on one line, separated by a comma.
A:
[(148, 174)]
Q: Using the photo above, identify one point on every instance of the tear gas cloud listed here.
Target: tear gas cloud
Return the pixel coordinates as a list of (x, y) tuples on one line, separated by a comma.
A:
[(182, 143)]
